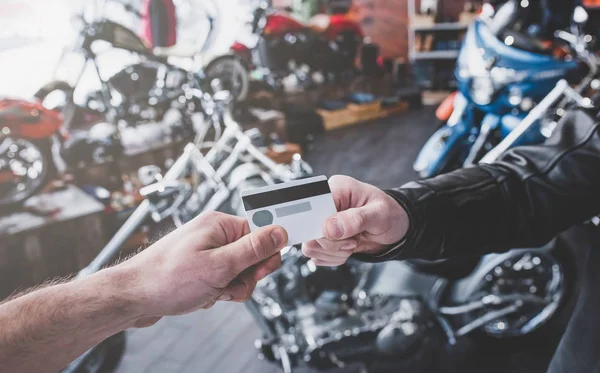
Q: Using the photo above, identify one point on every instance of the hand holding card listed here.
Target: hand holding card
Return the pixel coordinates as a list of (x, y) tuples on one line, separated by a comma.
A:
[(300, 207)]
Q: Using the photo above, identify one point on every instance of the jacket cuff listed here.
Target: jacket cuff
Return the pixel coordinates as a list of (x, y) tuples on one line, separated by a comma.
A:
[(394, 251)]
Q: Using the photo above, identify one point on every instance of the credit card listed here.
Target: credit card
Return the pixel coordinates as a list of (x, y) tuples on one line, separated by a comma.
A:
[(300, 207)]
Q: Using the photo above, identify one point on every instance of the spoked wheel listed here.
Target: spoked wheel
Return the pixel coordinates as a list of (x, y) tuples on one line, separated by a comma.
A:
[(23, 170), (232, 76), (533, 282)]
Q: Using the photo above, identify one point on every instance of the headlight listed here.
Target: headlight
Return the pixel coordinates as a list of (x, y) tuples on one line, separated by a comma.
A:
[(482, 90)]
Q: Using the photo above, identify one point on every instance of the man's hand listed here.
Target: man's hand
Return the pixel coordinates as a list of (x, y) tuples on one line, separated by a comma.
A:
[(367, 221), (213, 257)]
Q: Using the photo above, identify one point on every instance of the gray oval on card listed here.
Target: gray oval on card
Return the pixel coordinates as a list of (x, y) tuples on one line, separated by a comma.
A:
[(262, 218)]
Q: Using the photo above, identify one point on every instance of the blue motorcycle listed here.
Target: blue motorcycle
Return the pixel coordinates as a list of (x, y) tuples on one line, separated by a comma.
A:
[(502, 75)]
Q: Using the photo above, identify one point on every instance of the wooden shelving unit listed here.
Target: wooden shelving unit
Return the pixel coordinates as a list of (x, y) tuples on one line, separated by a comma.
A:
[(448, 26), (427, 58), (435, 55)]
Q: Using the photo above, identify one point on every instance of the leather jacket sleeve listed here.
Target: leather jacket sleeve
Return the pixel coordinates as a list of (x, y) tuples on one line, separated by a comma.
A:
[(524, 199)]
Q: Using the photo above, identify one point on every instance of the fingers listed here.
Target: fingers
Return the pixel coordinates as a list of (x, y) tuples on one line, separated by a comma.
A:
[(328, 253), (337, 248), (334, 253), (250, 250), (146, 322), (341, 190), (326, 263), (223, 228), (265, 268), (351, 222), (242, 287)]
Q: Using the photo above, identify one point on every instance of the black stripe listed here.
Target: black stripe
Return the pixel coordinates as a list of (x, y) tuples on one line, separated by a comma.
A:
[(275, 197)]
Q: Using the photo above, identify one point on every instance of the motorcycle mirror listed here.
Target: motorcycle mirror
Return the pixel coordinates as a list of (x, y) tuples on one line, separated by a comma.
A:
[(580, 16)]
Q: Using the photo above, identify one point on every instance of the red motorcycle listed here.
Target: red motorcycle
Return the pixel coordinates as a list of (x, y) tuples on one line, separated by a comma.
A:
[(26, 130), (34, 147), (289, 53)]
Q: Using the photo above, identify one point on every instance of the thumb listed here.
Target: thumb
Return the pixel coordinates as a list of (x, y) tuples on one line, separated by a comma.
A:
[(252, 249), (351, 222)]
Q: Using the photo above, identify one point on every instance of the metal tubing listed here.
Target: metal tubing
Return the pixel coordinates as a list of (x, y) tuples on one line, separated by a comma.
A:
[(113, 247), (486, 318), (536, 113)]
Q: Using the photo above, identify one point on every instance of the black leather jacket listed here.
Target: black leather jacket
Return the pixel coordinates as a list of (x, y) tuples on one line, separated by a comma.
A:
[(527, 197)]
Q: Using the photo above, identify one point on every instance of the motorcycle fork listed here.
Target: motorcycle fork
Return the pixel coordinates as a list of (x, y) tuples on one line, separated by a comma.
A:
[(56, 144), (479, 145)]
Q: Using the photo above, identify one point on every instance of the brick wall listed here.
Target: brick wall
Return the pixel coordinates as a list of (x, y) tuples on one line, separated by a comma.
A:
[(386, 21)]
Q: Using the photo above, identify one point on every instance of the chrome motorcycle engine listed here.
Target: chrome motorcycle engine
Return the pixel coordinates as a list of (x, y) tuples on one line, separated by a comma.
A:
[(323, 317), (144, 91), (393, 313)]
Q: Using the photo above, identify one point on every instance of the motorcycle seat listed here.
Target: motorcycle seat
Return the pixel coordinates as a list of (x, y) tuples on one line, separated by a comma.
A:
[(177, 50), (452, 269)]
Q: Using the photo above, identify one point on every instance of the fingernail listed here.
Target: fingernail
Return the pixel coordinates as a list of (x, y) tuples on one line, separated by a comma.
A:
[(334, 228), (225, 297), (347, 247), (277, 236)]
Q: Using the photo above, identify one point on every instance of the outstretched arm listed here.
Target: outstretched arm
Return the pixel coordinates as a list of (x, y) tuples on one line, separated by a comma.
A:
[(46, 329), (528, 196), (213, 257)]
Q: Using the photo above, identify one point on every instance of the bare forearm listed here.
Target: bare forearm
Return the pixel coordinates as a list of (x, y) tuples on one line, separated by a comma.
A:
[(45, 330)]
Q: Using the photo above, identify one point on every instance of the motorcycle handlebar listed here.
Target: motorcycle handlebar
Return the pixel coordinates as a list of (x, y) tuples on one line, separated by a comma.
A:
[(580, 44), (566, 36)]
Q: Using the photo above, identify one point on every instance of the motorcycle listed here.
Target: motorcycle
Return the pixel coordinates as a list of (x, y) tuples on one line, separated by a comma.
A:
[(288, 53), (502, 76), (138, 93), (34, 147), (24, 146)]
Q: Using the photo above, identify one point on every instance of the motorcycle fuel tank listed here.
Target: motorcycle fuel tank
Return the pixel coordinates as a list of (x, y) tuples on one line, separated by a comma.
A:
[(29, 120), (281, 23)]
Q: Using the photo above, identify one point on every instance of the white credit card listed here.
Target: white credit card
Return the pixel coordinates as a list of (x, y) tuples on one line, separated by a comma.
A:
[(300, 207)]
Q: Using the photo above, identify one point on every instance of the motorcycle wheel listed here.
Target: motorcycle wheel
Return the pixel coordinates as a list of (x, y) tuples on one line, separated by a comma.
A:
[(106, 356), (58, 96), (30, 163), (232, 74)]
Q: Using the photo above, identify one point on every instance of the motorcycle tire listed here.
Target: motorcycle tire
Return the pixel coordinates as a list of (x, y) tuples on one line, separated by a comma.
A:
[(43, 146), (70, 111), (224, 68), (106, 356)]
